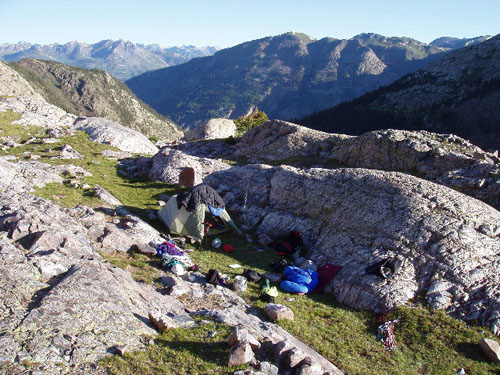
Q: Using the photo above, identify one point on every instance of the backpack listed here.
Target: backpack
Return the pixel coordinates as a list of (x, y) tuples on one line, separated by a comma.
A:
[(214, 277), (289, 245), (386, 268), (251, 275)]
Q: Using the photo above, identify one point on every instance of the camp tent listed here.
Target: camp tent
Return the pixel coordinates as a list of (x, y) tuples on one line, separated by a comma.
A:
[(184, 213)]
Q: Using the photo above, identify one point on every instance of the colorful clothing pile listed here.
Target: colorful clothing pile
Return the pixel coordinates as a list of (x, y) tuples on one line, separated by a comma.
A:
[(168, 247), (385, 333)]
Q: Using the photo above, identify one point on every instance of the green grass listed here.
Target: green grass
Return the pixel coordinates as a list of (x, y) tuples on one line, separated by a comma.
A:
[(141, 267), (430, 342), (138, 195), (244, 124), (178, 352)]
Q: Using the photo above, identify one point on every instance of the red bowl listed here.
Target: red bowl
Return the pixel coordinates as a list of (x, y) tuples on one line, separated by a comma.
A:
[(227, 248)]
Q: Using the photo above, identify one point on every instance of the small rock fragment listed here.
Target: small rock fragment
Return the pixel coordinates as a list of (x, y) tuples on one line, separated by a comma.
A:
[(161, 322), (240, 354), (491, 349), (278, 312)]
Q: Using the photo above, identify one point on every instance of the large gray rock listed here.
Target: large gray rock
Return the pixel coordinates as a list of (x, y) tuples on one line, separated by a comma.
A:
[(168, 163), (240, 354), (354, 217), (278, 140), (61, 305), (23, 176), (446, 159), (212, 129), (278, 312), (106, 131), (106, 196)]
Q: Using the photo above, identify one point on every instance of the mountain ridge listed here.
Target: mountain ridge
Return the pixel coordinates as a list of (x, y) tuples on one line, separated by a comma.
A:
[(122, 59), (286, 76), (458, 94)]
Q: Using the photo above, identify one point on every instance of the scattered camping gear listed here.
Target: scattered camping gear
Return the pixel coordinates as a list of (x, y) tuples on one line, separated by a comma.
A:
[(385, 333), (178, 269), (171, 264), (279, 267), (214, 277), (185, 213), (326, 273), (385, 268), (240, 284), (289, 246), (228, 248), (268, 292), (251, 275), (168, 247), (194, 268), (299, 281), (264, 297)]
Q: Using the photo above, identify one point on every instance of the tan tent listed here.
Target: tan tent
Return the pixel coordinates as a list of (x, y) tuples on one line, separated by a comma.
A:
[(190, 224)]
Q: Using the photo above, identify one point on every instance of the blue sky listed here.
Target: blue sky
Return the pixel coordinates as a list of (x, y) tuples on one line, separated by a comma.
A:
[(226, 23)]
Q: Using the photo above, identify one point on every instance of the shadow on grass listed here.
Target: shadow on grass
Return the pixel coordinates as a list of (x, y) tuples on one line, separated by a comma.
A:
[(471, 351), (215, 352), (141, 184)]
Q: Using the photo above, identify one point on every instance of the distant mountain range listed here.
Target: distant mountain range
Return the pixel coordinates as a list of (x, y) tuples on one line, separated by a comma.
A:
[(122, 59), (286, 76), (94, 92), (454, 43), (459, 94)]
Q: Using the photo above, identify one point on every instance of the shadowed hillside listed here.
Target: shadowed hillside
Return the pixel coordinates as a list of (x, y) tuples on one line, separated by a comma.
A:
[(458, 94), (94, 93)]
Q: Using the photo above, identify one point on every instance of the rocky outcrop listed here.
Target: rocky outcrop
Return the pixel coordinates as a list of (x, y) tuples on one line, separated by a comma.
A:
[(169, 162), (212, 129), (278, 140), (225, 306), (63, 307), (445, 159), (63, 323), (23, 176), (106, 131), (354, 217)]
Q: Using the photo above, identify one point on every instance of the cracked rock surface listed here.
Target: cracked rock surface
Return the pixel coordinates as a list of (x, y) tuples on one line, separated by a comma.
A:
[(355, 217)]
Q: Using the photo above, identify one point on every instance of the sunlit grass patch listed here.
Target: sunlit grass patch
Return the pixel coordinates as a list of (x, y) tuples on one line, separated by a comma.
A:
[(142, 267)]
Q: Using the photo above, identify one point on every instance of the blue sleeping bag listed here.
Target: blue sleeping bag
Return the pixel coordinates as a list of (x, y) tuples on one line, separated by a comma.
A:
[(298, 280)]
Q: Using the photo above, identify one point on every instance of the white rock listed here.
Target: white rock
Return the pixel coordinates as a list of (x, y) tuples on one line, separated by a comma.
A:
[(105, 131)]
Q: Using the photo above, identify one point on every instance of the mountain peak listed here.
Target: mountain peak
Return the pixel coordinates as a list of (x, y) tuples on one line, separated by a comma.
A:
[(454, 43), (298, 35)]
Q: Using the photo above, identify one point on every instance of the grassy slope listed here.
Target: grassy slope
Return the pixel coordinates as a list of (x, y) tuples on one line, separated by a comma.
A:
[(430, 342)]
